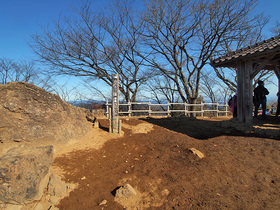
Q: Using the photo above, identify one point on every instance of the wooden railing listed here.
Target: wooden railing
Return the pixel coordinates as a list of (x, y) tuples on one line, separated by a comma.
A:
[(168, 109)]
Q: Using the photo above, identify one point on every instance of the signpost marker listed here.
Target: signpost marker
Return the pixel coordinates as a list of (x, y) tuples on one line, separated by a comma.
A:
[(115, 125)]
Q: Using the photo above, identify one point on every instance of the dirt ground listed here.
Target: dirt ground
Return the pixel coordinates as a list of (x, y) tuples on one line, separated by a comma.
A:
[(240, 170)]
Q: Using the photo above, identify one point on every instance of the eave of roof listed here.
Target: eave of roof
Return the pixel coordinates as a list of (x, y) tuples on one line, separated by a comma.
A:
[(263, 48)]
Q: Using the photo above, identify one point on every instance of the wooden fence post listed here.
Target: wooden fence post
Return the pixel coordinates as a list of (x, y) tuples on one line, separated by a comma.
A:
[(120, 126), (149, 104), (129, 109), (215, 111), (168, 111), (226, 110), (107, 109)]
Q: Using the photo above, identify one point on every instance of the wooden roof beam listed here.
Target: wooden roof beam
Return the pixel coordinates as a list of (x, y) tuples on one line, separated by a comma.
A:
[(262, 65)]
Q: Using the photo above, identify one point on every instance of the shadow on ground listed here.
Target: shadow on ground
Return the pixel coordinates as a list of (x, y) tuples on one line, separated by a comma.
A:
[(207, 128)]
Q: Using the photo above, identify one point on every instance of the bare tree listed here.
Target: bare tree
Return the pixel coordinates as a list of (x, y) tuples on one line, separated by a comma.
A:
[(23, 70), (213, 89), (209, 86), (183, 35), (247, 37), (276, 29), (27, 71), (229, 77), (161, 89), (96, 44), (6, 70), (96, 91), (62, 90)]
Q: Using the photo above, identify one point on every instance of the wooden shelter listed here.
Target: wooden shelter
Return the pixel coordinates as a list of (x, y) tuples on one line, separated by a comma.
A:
[(249, 62)]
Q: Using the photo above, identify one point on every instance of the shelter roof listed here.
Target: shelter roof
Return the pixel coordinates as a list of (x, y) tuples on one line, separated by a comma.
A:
[(262, 51)]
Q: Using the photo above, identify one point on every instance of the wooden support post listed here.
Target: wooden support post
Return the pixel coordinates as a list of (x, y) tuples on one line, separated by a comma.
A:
[(244, 92), (277, 72), (240, 87), (110, 121)]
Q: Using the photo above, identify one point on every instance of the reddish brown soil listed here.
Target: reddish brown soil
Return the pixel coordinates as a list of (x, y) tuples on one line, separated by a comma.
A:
[(239, 171)]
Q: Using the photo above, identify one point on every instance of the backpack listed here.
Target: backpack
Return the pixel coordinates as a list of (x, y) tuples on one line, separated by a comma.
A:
[(259, 94), (232, 103)]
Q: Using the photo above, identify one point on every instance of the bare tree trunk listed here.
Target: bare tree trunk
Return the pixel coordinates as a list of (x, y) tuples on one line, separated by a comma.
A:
[(184, 35), (96, 44)]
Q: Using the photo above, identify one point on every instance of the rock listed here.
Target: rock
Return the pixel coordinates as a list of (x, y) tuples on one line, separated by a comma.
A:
[(70, 186), (165, 192), (197, 152), (142, 128), (128, 197), (96, 124), (39, 206), (28, 112), (54, 199), (104, 202), (13, 207), (100, 113), (125, 192), (56, 186), (24, 173)]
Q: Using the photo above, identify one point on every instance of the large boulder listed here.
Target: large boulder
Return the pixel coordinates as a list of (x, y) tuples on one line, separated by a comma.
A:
[(24, 173), (29, 113)]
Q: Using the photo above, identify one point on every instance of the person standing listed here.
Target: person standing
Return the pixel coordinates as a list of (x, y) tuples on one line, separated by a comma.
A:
[(233, 105), (278, 104), (259, 98)]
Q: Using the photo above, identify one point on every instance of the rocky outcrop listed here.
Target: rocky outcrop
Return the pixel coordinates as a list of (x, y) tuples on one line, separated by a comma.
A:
[(24, 173), (29, 113), (56, 186), (32, 118)]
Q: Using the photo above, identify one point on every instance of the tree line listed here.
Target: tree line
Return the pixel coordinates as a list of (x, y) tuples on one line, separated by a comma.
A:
[(160, 48)]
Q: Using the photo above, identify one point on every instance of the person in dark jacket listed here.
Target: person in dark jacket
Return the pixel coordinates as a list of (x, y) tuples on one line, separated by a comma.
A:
[(278, 104), (259, 98)]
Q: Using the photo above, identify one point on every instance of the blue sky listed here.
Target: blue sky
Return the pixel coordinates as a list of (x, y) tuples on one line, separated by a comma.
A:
[(19, 19), (270, 8)]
